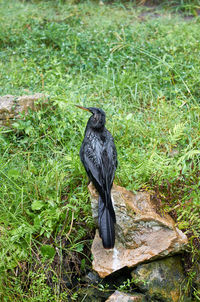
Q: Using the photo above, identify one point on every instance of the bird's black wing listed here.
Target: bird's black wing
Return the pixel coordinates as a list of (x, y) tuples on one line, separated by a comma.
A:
[(99, 158), (108, 167), (100, 161), (109, 162), (90, 155)]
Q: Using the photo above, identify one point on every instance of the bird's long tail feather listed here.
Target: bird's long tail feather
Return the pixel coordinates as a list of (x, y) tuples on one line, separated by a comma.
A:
[(106, 225)]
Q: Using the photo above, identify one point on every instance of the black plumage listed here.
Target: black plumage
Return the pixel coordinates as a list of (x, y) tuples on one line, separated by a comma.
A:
[(99, 157)]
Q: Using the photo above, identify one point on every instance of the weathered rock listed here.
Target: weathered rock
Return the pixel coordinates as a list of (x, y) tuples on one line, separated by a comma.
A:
[(123, 297), (161, 279), (92, 278), (11, 106), (141, 233)]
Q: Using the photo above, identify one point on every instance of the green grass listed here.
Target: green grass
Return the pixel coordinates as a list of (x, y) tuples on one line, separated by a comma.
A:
[(144, 72)]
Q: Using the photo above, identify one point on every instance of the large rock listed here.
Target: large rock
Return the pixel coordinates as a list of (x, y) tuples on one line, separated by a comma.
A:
[(11, 106), (161, 280), (142, 234), (123, 297)]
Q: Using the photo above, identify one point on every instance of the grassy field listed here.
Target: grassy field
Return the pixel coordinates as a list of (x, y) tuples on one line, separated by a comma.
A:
[(141, 65)]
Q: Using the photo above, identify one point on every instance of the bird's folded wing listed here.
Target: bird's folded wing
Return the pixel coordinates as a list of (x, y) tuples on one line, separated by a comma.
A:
[(109, 164), (100, 165), (92, 168)]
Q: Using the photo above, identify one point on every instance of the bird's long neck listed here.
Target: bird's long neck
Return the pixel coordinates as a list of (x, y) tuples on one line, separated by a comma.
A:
[(90, 127)]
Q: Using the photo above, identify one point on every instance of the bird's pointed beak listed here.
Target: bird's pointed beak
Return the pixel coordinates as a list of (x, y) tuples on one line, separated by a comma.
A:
[(81, 107)]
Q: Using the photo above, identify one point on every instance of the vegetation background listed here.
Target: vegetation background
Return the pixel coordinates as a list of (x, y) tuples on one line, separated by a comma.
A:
[(141, 65)]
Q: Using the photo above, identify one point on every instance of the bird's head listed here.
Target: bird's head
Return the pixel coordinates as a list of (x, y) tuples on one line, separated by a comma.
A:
[(98, 118)]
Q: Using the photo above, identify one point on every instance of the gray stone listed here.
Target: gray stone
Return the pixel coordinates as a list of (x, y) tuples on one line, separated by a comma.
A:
[(92, 278), (161, 280), (123, 297), (11, 106)]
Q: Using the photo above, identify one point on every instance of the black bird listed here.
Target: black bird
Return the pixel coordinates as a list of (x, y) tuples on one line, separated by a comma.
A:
[(99, 157)]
